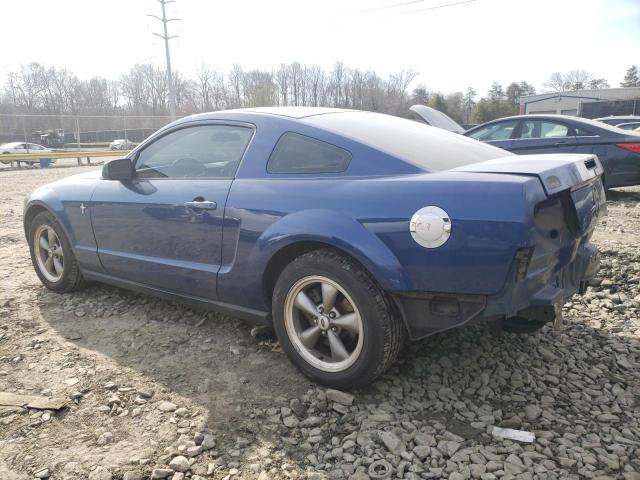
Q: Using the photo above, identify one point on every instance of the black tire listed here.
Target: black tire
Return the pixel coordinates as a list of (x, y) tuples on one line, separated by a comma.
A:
[(71, 278), (383, 332)]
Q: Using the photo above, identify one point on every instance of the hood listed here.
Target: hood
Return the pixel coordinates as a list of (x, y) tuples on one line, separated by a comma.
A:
[(436, 118)]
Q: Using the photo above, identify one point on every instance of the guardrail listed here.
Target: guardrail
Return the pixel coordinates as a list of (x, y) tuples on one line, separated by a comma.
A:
[(36, 157)]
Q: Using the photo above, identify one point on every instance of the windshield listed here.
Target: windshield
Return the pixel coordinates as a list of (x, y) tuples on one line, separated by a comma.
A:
[(429, 148)]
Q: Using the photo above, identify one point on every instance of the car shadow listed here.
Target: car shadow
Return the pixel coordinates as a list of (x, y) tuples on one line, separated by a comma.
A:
[(623, 195), (214, 362), (209, 358)]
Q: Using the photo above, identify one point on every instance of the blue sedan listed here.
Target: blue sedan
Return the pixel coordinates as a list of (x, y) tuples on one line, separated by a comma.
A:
[(617, 149), (349, 232)]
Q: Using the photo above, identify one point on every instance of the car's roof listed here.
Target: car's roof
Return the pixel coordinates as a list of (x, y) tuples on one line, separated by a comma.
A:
[(619, 117), (566, 118), (10, 144), (291, 112), (541, 115), (415, 143)]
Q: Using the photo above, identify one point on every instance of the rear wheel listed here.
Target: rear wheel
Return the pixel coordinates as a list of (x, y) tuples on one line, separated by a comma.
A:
[(334, 322), (52, 256)]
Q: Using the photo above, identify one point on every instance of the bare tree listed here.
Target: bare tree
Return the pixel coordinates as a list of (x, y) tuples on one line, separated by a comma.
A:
[(204, 95), (557, 82), (282, 80), (578, 79), (574, 80), (36, 89), (235, 80)]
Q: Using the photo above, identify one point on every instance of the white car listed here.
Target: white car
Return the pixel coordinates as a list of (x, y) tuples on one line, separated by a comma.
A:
[(121, 144), (22, 147)]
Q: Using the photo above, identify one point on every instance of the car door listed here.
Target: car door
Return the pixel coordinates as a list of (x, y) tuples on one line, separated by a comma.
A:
[(164, 228), (498, 134), (543, 136)]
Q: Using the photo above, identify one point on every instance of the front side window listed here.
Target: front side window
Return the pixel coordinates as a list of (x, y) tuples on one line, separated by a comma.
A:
[(543, 129), (495, 131), (295, 153), (204, 151)]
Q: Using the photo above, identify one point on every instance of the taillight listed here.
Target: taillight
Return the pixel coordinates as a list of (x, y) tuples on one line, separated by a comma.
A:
[(631, 147)]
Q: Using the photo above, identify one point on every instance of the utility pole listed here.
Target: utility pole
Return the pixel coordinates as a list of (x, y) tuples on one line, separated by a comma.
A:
[(166, 38)]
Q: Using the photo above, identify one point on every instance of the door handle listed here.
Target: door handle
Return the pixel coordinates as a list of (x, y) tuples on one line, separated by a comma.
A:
[(561, 143), (203, 205)]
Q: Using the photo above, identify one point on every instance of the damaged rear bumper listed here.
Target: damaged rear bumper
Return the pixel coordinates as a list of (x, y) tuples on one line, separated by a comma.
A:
[(538, 298)]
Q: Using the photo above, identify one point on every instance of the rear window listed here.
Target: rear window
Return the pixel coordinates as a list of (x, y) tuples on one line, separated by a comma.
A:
[(295, 153), (428, 148)]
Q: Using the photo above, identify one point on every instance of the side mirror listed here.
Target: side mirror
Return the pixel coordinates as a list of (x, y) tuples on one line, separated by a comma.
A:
[(120, 169)]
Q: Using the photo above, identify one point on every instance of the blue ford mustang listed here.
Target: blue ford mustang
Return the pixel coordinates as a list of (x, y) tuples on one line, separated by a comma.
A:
[(347, 231)]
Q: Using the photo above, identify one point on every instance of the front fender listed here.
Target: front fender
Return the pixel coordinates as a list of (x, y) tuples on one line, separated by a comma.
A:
[(45, 198), (339, 231), (63, 199)]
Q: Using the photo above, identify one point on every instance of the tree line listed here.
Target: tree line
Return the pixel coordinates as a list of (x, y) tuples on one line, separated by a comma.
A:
[(48, 90)]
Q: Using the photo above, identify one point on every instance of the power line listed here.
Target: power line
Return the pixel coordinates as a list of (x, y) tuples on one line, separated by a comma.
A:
[(410, 2), (369, 10), (166, 38), (435, 7)]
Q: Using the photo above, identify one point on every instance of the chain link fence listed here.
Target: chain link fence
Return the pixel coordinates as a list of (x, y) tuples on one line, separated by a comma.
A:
[(77, 131)]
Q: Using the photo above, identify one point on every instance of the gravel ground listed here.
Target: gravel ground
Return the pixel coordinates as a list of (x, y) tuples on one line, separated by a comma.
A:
[(158, 390)]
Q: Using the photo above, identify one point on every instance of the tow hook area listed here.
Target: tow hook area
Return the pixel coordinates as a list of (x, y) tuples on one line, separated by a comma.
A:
[(534, 318)]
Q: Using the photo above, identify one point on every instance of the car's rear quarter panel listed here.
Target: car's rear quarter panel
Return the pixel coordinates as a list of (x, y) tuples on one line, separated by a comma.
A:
[(368, 218)]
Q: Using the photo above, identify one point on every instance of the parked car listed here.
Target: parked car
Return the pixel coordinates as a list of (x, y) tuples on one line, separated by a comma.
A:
[(22, 147), (629, 125), (347, 231), (617, 120), (121, 144), (618, 150)]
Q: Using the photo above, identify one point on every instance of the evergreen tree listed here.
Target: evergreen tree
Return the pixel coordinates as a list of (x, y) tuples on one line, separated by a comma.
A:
[(631, 78)]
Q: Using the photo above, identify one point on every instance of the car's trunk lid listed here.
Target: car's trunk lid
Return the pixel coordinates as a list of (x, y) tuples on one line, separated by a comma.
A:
[(557, 172), (574, 176)]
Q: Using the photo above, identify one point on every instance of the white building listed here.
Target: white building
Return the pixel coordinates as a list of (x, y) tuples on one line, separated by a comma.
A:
[(571, 102)]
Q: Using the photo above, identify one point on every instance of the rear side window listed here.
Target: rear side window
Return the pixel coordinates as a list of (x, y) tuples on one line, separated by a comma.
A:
[(543, 129), (295, 153), (583, 132)]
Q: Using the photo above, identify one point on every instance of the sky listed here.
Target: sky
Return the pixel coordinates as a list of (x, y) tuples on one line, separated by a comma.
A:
[(451, 43)]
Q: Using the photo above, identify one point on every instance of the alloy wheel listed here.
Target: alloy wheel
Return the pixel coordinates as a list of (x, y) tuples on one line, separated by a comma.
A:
[(48, 253), (323, 323)]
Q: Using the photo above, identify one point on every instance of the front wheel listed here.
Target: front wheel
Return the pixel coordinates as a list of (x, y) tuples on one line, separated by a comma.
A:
[(334, 322), (52, 256)]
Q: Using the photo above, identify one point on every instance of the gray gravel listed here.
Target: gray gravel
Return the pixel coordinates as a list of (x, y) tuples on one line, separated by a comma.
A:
[(157, 390)]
